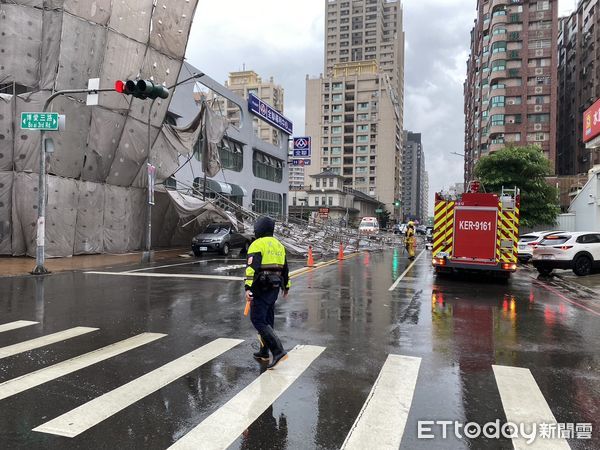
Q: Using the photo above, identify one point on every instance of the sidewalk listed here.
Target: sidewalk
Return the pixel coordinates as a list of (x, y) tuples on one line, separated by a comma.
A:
[(22, 265), (589, 283)]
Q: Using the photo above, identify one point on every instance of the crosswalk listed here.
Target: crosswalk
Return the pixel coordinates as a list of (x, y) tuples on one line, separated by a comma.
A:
[(380, 424)]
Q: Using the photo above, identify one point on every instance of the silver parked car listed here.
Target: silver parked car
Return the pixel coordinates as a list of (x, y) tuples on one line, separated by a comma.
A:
[(221, 238)]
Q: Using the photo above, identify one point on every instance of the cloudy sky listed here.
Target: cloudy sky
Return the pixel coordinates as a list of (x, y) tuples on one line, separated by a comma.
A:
[(284, 39)]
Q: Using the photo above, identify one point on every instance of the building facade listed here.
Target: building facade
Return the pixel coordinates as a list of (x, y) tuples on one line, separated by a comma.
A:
[(354, 113), (296, 173), (579, 85), (254, 172), (414, 180), (326, 198), (511, 87)]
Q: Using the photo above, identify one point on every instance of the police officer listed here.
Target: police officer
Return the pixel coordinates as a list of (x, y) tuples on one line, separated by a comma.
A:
[(410, 241), (266, 274)]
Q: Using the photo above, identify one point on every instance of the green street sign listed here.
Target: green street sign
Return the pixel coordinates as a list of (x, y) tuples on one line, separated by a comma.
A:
[(39, 121), (379, 211)]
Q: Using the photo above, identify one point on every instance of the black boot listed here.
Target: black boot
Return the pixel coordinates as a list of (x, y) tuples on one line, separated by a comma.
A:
[(274, 344), (263, 353)]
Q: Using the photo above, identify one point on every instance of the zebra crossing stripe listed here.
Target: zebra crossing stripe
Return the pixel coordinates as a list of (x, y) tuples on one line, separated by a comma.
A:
[(524, 403), (382, 418), (101, 408), (33, 379), (225, 425), (43, 341), (14, 325)]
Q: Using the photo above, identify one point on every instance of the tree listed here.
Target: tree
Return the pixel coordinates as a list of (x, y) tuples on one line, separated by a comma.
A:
[(525, 168), (383, 218)]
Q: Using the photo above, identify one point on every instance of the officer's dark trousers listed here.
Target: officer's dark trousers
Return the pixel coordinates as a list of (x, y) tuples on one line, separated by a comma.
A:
[(262, 311)]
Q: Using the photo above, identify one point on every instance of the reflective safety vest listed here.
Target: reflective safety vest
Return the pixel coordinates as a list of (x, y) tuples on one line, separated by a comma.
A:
[(267, 255)]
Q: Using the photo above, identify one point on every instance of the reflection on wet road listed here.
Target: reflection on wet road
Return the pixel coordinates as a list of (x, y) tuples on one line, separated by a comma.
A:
[(374, 367)]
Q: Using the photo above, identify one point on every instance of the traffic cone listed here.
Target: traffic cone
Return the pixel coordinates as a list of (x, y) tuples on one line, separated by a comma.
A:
[(341, 252), (311, 261)]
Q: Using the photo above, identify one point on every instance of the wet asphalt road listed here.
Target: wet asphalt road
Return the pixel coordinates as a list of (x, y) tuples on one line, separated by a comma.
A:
[(459, 327)]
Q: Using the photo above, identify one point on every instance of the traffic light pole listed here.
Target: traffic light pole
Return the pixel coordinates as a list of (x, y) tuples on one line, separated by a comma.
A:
[(40, 256)]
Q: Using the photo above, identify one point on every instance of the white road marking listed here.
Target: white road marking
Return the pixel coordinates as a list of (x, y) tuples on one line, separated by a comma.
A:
[(395, 285), (14, 325), (225, 425), (101, 408), (524, 403), (232, 267), (382, 418), (171, 265), (42, 341), (171, 275), (33, 379)]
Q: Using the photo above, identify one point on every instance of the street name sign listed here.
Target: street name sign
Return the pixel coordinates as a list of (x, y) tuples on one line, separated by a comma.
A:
[(268, 114), (39, 121)]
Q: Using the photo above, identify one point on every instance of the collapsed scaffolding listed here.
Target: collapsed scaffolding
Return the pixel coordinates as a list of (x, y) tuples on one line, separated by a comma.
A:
[(297, 235)]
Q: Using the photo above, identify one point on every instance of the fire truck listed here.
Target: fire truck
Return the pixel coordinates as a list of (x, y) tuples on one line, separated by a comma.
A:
[(476, 231)]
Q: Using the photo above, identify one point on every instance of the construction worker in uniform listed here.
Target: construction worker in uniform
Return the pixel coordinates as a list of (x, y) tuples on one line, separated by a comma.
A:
[(410, 241), (267, 273)]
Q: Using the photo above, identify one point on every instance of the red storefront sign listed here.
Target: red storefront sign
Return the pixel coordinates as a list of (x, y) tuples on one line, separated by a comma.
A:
[(591, 122)]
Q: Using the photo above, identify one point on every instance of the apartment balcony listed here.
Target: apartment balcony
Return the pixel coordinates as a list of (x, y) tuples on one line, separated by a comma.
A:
[(538, 109), (541, 15), (540, 89), (539, 53)]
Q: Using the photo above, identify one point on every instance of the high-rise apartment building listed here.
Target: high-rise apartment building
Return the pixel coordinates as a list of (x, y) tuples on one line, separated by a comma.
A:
[(415, 181), (578, 85), (248, 82), (354, 113), (511, 86)]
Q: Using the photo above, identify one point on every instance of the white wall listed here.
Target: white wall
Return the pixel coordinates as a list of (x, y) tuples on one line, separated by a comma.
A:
[(586, 206)]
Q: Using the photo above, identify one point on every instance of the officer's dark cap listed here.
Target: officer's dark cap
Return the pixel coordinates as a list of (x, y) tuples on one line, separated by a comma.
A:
[(264, 226)]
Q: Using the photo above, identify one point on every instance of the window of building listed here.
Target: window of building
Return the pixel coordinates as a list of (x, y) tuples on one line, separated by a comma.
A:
[(363, 105), (499, 12), (497, 119), (232, 155), (362, 149), (336, 130), (336, 140), (498, 101), (336, 161), (267, 167), (498, 65), (499, 31), (543, 5), (266, 202), (331, 182), (316, 201), (538, 118), (362, 138), (337, 86), (336, 150), (514, 100), (336, 97), (362, 128), (317, 182), (498, 47), (336, 118), (330, 201)]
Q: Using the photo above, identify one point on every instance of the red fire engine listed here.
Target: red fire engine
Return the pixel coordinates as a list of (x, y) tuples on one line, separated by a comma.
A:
[(476, 231)]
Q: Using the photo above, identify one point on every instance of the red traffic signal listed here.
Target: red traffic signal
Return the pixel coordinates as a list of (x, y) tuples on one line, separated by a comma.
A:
[(141, 89)]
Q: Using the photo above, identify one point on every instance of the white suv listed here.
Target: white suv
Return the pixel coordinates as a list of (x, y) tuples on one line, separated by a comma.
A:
[(529, 241), (577, 251)]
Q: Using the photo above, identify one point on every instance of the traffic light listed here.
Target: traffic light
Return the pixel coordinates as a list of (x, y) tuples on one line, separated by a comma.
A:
[(141, 89), (397, 203)]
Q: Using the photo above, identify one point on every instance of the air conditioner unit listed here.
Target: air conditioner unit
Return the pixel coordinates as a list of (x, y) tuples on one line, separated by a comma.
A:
[(537, 127), (539, 71), (510, 102), (539, 89), (538, 108), (539, 52)]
